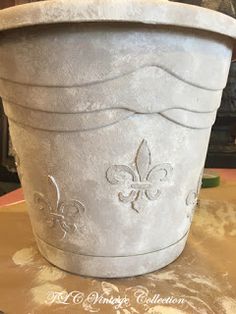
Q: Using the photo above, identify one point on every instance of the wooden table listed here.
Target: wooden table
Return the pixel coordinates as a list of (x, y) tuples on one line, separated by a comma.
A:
[(203, 277)]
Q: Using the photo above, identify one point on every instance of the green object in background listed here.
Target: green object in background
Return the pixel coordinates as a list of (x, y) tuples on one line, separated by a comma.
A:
[(210, 179)]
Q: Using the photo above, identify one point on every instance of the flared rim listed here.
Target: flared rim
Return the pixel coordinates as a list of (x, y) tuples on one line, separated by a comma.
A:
[(155, 12)]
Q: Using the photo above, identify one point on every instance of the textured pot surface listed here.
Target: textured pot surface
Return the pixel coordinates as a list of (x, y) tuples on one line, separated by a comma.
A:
[(110, 106)]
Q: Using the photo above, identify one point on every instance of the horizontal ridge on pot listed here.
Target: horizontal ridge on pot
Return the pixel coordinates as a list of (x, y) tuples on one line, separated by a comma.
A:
[(151, 12), (90, 121)]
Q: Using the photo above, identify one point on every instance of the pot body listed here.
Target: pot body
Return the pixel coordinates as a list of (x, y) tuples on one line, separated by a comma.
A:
[(110, 124)]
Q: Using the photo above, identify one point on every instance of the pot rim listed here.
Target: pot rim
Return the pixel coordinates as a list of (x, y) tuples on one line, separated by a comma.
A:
[(153, 12)]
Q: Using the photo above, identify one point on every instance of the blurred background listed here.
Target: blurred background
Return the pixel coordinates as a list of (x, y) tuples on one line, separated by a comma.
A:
[(222, 146)]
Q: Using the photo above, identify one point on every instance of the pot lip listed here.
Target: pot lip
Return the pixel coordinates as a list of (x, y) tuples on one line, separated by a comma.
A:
[(153, 12)]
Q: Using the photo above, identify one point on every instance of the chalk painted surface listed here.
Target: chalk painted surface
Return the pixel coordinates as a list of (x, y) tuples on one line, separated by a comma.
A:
[(204, 276)]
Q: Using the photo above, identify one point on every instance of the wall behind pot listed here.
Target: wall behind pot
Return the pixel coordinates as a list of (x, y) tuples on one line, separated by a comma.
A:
[(10, 3), (225, 6)]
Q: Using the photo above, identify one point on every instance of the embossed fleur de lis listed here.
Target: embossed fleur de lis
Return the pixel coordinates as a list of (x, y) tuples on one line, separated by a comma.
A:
[(142, 184), (67, 215), (17, 164), (192, 197)]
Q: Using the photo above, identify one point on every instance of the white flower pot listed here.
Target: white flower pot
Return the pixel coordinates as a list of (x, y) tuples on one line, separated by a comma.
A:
[(110, 105)]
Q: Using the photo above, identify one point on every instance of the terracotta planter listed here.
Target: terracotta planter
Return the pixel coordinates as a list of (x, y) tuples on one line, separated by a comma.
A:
[(110, 105)]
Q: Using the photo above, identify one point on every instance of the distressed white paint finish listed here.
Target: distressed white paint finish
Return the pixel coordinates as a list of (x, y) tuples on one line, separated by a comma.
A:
[(110, 114)]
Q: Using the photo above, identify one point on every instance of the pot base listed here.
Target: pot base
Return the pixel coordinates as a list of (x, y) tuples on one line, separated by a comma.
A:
[(108, 266)]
